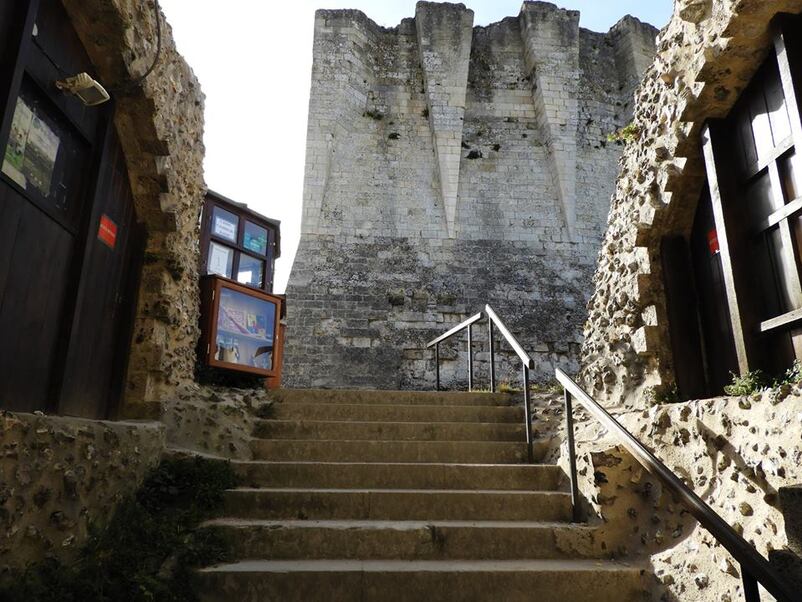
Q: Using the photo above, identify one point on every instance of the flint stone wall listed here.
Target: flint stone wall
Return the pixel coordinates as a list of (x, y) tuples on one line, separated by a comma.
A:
[(58, 476), (740, 455), (706, 56), (449, 166)]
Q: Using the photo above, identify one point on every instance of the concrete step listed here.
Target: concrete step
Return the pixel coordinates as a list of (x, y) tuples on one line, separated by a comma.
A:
[(373, 397), (404, 540), (487, 452), (397, 504), (343, 475), (396, 413), (433, 581), (396, 431)]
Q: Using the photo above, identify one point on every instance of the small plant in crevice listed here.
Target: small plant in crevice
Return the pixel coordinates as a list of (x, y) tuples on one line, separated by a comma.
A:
[(792, 376), (750, 383), (552, 387), (628, 133), (394, 136), (506, 387), (474, 154), (655, 396), (149, 549)]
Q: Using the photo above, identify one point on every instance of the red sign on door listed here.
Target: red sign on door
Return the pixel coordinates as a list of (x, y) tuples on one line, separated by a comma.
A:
[(712, 241), (107, 231)]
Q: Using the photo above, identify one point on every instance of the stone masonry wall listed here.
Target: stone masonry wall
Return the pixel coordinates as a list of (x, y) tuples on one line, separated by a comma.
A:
[(58, 476), (738, 454), (449, 166), (160, 124), (706, 56)]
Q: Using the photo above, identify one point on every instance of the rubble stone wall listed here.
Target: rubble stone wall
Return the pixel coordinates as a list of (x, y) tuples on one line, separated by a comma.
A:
[(160, 125), (449, 166), (737, 454), (706, 56), (59, 475)]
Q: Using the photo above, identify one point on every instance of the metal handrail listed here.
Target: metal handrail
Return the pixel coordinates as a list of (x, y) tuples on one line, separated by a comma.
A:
[(526, 361), (754, 567)]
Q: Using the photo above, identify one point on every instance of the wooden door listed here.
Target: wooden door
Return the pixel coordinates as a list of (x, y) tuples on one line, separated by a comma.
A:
[(61, 173), (96, 355)]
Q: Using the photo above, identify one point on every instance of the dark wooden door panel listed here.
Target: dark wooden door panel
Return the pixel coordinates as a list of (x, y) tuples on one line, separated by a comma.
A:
[(99, 327), (32, 305)]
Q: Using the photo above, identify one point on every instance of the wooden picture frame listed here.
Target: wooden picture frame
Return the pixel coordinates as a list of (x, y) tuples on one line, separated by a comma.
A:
[(212, 287)]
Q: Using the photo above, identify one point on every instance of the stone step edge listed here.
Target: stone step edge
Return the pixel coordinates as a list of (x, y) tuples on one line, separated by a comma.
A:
[(394, 525), (536, 465), (505, 492), (407, 566)]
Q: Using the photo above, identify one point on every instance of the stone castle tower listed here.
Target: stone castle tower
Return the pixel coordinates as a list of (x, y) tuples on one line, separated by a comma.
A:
[(449, 166)]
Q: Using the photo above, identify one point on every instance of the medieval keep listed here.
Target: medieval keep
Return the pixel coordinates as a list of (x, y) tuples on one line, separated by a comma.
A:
[(596, 233), (447, 166)]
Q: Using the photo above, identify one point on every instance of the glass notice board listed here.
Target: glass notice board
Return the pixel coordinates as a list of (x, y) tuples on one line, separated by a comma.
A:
[(245, 329)]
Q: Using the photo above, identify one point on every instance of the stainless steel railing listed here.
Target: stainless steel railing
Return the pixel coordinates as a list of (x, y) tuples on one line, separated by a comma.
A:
[(755, 569), (526, 361)]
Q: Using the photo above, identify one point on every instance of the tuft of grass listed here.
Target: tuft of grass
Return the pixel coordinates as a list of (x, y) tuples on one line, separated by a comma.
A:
[(506, 387), (149, 549), (752, 382), (552, 387), (375, 115), (655, 396), (628, 133)]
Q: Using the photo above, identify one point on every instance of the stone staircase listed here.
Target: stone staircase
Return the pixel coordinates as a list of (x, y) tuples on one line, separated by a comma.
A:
[(380, 495)]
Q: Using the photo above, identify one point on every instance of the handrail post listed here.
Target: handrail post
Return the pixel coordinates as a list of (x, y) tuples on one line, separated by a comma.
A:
[(569, 428), (492, 355), (528, 416), (751, 590), (470, 357), (437, 366)]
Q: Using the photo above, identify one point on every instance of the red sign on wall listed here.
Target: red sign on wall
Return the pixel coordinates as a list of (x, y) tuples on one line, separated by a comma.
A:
[(107, 231), (712, 241)]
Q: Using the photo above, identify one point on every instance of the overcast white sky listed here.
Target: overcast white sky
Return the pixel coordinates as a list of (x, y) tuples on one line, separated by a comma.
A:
[(254, 59)]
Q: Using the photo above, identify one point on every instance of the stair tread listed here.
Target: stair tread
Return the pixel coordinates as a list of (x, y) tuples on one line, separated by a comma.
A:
[(523, 467), (385, 491), (346, 524), (368, 566)]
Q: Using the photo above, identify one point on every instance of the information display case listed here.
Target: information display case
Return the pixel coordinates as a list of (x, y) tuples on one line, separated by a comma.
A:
[(240, 327)]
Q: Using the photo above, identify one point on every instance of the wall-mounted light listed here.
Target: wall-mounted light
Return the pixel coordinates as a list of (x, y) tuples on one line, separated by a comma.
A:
[(85, 88)]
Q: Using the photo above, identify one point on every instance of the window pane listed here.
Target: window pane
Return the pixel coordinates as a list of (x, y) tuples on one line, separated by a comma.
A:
[(761, 127), (251, 271), (775, 101), (784, 265), (760, 198), (255, 238), (224, 224), (221, 260), (791, 174), (245, 327)]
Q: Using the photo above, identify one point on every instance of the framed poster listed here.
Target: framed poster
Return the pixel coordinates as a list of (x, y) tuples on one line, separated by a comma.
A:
[(221, 260), (32, 149), (255, 238), (225, 224)]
